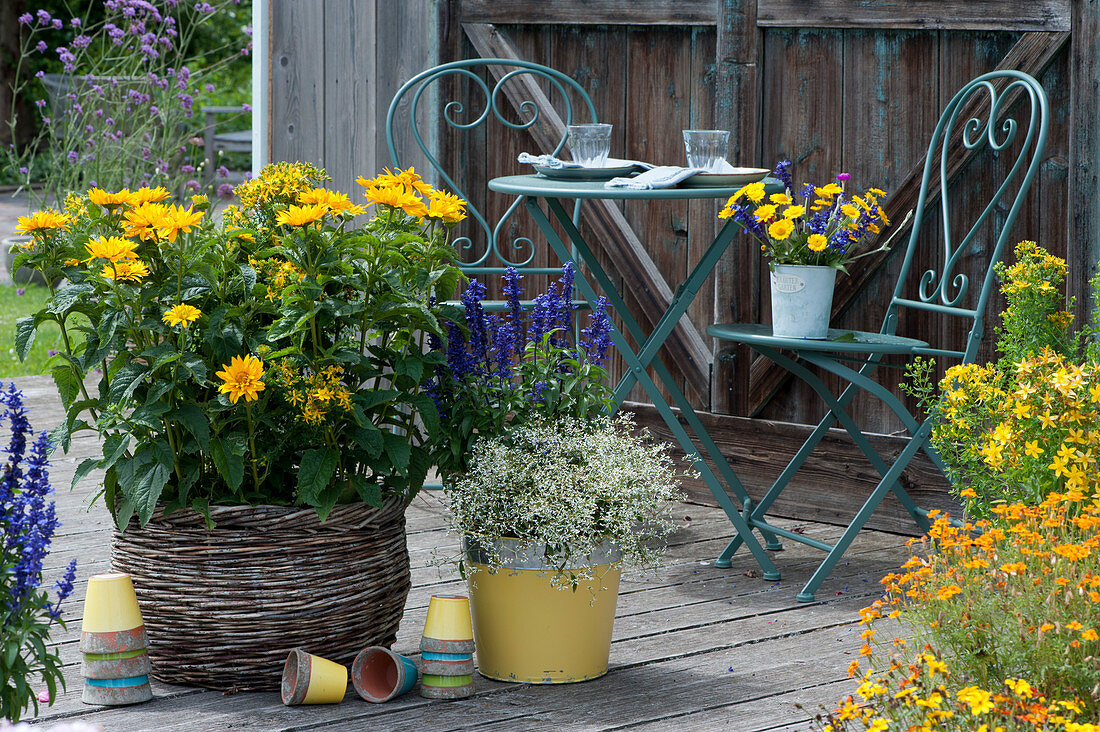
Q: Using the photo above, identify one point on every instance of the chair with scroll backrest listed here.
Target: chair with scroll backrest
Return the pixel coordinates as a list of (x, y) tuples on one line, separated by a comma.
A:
[(939, 293), (473, 97)]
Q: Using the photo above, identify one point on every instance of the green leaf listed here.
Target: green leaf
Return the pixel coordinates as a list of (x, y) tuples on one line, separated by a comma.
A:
[(369, 438), (411, 367), (194, 364), (87, 465), (25, 329), (125, 381), (427, 411), (229, 464), (369, 491), (397, 448), (64, 299), (114, 447), (191, 417), (68, 385), (315, 473), (249, 276)]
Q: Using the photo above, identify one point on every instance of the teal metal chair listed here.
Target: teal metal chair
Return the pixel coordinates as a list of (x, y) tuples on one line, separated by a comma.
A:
[(938, 294), (472, 97)]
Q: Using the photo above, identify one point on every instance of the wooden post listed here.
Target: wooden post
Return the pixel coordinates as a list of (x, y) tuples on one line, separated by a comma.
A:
[(738, 274), (1084, 153)]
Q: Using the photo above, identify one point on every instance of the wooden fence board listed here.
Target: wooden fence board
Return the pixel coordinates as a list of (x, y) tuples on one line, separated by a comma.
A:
[(592, 12), (297, 84), (1084, 151), (350, 73), (997, 15)]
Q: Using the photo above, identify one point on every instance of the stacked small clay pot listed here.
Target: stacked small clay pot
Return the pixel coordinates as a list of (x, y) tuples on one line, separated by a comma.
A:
[(447, 649), (115, 664)]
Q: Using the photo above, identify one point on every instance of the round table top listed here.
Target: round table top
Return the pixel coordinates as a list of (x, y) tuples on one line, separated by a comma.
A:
[(542, 187)]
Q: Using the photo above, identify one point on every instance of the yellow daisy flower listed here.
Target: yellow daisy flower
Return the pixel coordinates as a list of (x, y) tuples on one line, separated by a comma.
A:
[(446, 206), (106, 199), (817, 242), (148, 195), (111, 248), (781, 230), (300, 215), (182, 314), (129, 270), (41, 221), (145, 220), (242, 377), (177, 219)]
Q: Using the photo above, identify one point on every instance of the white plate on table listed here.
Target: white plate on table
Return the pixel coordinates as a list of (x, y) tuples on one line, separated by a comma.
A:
[(727, 179), (614, 168)]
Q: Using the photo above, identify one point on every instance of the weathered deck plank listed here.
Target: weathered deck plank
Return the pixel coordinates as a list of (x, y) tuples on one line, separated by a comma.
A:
[(695, 647)]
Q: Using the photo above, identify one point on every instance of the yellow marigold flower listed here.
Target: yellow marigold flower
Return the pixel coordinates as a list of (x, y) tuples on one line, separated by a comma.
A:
[(817, 242), (446, 206), (145, 220), (1045, 627), (42, 221), (242, 377), (127, 270), (828, 192), (105, 199), (111, 248), (1073, 552), (764, 213), (850, 211), (1090, 635), (177, 219), (182, 314), (148, 195), (946, 593), (781, 230), (781, 199), (300, 215), (1019, 687), (980, 701), (793, 212), (878, 725)]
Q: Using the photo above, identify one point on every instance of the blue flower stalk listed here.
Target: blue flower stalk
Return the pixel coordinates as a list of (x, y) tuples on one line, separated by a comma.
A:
[(28, 523)]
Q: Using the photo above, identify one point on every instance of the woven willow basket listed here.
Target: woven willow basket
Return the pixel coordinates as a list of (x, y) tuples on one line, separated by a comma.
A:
[(224, 608)]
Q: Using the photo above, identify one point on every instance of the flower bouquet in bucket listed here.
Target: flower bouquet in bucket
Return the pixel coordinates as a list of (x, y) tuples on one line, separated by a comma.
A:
[(808, 234)]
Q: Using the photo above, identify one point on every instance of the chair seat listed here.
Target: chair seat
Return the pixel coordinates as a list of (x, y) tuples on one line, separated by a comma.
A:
[(240, 141), (838, 340)]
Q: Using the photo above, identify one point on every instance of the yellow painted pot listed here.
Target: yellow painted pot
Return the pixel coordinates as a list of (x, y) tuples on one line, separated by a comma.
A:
[(310, 679), (528, 630)]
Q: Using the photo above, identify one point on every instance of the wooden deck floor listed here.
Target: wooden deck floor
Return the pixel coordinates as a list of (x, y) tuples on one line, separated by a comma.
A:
[(695, 647)]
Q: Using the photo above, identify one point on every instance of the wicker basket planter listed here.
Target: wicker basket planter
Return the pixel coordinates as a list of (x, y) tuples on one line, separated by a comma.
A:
[(224, 608)]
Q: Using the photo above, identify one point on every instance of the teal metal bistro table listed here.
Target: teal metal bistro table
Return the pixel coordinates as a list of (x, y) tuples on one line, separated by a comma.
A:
[(534, 190)]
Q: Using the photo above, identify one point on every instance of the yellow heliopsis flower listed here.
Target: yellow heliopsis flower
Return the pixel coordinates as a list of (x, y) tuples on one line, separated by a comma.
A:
[(178, 219), (300, 215), (781, 199), (334, 201), (397, 197), (128, 270), (145, 220), (446, 206), (41, 221), (111, 248), (148, 195), (817, 242), (781, 230), (182, 314), (106, 199), (242, 377)]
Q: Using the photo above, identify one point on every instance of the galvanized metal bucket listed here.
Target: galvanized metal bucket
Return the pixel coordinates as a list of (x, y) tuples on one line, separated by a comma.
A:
[(802, 300)]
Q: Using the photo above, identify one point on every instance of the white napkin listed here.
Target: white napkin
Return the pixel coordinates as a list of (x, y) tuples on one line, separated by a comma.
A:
[(664, 176), (549, 161)]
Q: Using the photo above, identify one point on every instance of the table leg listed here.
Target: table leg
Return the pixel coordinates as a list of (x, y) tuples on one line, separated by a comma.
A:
[(640, 375)]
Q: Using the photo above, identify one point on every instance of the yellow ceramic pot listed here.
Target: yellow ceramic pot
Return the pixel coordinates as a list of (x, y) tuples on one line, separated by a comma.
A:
[(526, 629)]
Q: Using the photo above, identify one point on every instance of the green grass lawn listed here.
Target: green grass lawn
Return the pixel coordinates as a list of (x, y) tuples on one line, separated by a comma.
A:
[(14, 306)]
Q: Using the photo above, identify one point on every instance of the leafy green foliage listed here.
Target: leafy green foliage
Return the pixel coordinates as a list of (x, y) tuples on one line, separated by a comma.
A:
[(261, 359)]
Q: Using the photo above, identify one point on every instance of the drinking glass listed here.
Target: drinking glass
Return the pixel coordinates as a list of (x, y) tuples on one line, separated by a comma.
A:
[(706, 149), (590, 144)]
